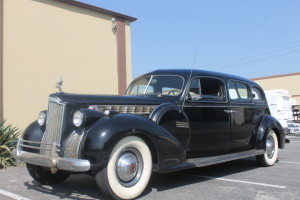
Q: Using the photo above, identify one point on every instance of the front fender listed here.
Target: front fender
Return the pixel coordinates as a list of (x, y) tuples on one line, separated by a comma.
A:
[(107, 131), (33, 133), (174, 120), (268, 123)]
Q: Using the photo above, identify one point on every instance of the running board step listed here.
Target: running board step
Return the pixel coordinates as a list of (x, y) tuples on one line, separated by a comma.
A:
[(205, 161)]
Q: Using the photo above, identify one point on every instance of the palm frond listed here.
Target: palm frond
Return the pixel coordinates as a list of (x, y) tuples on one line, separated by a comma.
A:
[(8, 140)]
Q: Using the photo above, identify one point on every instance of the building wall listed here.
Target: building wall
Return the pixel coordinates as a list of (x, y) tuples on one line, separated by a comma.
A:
[(128, 52), (290, 82), (44, 39)]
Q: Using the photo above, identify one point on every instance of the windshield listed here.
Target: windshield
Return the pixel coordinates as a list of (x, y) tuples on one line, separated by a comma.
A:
[(157, 85)]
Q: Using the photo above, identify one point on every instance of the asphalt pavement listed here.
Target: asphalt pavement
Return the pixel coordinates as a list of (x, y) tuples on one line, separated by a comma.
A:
[(240, 179)]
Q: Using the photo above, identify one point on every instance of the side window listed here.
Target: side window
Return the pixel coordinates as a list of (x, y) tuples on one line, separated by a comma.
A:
[(239, 92), (243, 91), (233, 92), (258, 95), (207, 89)]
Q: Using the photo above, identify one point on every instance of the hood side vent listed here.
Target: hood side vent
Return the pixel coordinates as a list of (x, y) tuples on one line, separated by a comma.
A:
[(132, 109)]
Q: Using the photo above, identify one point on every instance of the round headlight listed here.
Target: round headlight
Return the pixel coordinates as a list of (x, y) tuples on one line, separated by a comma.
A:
[(42, 118), (78, 118)]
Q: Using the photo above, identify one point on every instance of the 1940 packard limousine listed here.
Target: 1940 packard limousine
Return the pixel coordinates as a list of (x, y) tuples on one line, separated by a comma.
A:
[(169, 120)]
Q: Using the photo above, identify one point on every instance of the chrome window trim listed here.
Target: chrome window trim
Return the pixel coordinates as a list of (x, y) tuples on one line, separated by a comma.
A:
[(220, 106), (208, 106)]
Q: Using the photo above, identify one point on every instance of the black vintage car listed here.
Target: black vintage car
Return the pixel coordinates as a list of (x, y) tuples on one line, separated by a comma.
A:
[(169, 120)]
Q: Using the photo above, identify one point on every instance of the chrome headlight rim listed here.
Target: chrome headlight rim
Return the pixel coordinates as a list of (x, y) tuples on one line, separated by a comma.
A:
[(42, 117), (78, 118)]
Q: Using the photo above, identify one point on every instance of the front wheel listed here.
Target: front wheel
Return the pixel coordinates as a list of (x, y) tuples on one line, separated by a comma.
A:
[(128, 171), (43, 176), (270, 156)]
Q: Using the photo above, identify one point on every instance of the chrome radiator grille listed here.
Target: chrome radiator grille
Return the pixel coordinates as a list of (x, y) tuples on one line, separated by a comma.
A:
[(53, 126), (73, 145)]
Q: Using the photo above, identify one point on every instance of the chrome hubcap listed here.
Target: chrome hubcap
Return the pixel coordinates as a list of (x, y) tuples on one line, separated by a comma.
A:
[(129, 167), (270, 147)]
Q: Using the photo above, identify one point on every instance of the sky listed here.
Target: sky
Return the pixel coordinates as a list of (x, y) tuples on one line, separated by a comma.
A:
[(252, 38)]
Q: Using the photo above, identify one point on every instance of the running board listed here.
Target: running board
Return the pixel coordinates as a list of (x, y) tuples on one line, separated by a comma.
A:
[(205, 161)]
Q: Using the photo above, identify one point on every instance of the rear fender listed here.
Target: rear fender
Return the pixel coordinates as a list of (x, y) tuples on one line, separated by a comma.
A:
[(107, 131), (269, 123)]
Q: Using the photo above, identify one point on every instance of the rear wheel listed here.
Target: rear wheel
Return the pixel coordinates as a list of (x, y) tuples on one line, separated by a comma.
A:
[(43, 176), (270, 156), (128, 171)]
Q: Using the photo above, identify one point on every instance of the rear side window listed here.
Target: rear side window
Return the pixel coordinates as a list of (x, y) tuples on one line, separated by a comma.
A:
[(258, 95), (207, 89), (239, 92)]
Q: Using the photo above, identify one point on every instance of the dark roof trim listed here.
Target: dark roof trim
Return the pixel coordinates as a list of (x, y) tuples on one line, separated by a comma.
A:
[(98, 9), (276, 76)]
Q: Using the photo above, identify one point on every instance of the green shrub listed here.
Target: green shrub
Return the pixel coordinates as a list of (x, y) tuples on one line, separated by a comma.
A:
[(8, 140)]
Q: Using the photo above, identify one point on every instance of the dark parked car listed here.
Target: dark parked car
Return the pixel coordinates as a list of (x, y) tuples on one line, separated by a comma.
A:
[(169, 120)]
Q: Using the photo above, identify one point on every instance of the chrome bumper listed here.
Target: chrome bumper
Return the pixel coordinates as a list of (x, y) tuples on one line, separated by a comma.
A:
[(68, 164)]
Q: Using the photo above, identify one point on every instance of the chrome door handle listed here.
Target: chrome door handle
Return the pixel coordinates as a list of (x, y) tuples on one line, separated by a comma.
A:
[(230, 111)]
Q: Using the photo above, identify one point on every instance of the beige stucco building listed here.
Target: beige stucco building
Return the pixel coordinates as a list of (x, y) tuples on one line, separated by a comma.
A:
[(290, 82), (41, 40)]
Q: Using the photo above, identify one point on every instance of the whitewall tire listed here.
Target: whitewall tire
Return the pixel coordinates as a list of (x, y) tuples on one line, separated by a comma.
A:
[(128, 171), (270, 156)]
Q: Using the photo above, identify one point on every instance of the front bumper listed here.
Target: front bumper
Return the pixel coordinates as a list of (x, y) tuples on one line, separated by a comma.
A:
[(68, 164)]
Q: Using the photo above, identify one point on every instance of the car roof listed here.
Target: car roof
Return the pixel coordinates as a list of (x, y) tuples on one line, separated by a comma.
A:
[(196, 72)]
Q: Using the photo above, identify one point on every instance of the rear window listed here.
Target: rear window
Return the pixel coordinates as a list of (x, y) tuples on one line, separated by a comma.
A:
[(258, 95)]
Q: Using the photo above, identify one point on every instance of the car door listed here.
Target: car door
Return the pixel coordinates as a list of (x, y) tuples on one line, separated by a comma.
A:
[(242, 114), (210, 125)]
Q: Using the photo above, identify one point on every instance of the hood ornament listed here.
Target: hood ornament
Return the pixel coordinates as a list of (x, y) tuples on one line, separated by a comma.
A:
[(59, 84)]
